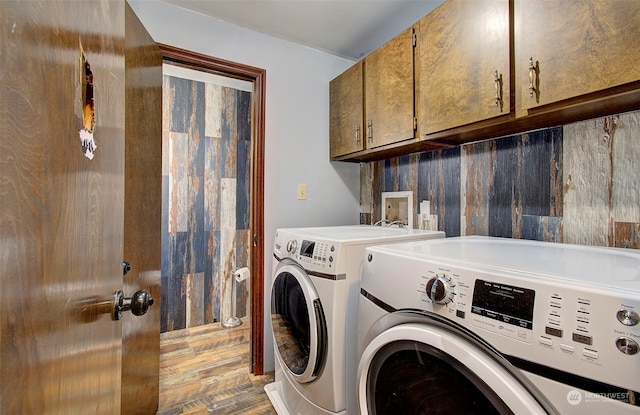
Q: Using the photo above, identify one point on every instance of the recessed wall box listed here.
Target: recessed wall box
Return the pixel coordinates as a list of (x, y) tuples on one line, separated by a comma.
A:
[(398, 207)]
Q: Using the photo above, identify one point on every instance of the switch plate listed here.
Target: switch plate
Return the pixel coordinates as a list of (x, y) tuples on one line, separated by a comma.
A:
[(302, 191)]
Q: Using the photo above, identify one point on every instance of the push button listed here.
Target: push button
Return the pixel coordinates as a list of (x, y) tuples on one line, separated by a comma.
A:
[(545, 341), (627, 345), (628, 317), (567, 348), (590, 353)]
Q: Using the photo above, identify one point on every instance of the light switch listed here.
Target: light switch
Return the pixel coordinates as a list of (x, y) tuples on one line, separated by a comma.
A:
[(302, 191)]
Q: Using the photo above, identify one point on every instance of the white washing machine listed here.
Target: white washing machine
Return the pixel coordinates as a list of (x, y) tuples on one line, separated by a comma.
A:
[(480, 325), (314, 303)]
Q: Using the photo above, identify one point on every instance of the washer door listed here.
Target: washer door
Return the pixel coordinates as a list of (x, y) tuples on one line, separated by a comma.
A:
[(417, 368), (299, 325)]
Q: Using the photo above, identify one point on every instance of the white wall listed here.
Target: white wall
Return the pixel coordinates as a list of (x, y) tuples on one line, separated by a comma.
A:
[(297, 123)]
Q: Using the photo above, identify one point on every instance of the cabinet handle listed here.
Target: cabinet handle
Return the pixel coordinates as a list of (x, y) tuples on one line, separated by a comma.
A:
[(357, 134), (496, 82), (532, 71), (369, 132)]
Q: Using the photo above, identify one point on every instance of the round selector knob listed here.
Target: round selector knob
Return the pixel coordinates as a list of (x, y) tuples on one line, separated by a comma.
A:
[(439, 289), (292, 245)]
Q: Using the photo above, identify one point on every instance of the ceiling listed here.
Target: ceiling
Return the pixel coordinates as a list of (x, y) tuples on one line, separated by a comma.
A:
[(347, 28)]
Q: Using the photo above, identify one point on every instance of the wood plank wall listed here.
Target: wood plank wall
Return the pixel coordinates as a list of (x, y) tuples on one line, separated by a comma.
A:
[(579, 183), (205, 203)]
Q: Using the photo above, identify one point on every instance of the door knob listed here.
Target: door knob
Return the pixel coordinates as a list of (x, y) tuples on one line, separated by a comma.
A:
[(126, 267), (138, 303)]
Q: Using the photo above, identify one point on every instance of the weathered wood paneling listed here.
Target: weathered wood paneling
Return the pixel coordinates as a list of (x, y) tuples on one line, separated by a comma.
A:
[(602, 181), (476, 176), (206, 196), (577, 184), (227, 245), (439, 183), (366, 192), (195, 299)]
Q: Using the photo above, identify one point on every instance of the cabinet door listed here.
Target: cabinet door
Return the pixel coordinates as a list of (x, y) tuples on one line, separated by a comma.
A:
[(462, 64), (346, 134), (389, 93), (576, 47)]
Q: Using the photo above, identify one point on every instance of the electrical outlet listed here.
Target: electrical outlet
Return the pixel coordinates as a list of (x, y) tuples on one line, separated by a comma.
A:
[(425, 210), (302, 191)]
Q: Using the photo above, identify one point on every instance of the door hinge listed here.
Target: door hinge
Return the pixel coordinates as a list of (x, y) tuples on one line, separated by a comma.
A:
[(415, 39), (415, 123)]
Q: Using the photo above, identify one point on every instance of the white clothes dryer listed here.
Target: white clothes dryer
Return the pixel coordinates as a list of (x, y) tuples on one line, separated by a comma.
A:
[(481, 325), (314, 303)]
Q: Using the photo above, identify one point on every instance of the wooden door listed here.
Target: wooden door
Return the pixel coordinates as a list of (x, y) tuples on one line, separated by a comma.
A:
[(389, 92), (576, 47), (462, 64), (62, 206), (142, 216), (62, 211), (346, 133)]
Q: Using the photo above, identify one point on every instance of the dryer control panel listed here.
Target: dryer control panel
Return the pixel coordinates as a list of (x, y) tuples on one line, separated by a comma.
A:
[(568, 326), (571, 308)]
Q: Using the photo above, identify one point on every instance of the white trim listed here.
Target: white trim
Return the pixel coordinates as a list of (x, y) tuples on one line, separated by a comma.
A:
[(185, 73)]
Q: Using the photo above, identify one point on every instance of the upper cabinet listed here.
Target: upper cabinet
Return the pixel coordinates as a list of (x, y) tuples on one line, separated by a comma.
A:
[(568, 48), (388, 85), (462, 64), (488, 68), (371, 103), (346, 112)]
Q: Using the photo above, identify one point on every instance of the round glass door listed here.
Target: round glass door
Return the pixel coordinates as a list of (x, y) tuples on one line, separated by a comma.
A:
[(299, 327), (418, 369)]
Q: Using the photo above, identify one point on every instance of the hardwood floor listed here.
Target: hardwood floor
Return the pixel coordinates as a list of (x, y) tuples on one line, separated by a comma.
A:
[(205, 370)]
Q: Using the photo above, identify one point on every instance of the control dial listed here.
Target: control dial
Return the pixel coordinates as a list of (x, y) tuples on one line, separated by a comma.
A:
[(292, 245), (440, 289)]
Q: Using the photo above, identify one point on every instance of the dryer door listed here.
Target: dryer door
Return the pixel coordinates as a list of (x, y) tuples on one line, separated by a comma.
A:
[(299, 325), (417, 368)]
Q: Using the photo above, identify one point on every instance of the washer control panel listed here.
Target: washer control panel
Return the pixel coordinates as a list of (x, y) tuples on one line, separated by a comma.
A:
[(317, 253), (314, 255)]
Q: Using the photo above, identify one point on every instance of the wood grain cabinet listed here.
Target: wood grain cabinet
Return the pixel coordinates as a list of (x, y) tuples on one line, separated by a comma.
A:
[(488, 68), (565, 49), (372, 103), (462, 64), (389, 92), (346, 112)]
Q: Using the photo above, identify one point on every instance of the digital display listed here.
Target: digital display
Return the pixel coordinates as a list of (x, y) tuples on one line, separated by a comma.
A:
[(307, 248), (505, 303)]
